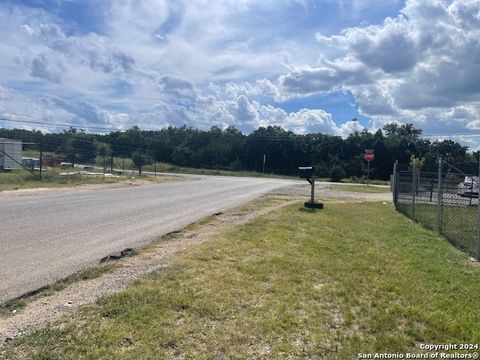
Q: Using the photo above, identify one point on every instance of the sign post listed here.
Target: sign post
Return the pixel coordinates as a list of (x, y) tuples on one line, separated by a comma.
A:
[(368, 156)]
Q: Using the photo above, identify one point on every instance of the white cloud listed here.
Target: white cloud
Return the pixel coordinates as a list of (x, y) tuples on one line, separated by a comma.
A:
[(46, 69), (421, 66), (202, 63), (331, 76), (310, 121), (86, 112)]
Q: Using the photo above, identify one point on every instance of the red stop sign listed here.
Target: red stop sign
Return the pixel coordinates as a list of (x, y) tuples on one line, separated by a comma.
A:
[(369, 156)]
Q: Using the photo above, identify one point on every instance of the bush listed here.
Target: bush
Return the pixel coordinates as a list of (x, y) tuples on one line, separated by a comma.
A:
[(337, 173)]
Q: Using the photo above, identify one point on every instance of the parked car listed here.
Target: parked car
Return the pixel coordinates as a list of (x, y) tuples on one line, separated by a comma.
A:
[(469, 186)]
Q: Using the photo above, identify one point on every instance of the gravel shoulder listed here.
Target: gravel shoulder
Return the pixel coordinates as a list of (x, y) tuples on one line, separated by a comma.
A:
[(87, 187), (42, 309)]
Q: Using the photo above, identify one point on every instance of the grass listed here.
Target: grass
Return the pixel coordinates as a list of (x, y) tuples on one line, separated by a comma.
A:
[(459, 223), (165, 167), (363, 180), (22, 179), (359, 188), (291, 284)]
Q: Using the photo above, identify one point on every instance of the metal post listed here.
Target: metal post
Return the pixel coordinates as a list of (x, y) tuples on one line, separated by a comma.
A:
[(368, 171), (155, 169), (264, 161), (111, 162), (478, 214), (431, 189), (440, 197), (471, 193), (123, 163), (395, 183), (414, 190), (41, 155), (312, 192)]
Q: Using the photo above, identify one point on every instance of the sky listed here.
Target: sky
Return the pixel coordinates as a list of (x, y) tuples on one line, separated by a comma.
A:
[(305, 65)]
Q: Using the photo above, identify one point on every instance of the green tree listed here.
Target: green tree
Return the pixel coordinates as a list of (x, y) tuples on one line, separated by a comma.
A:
[(337, 173), (139, 160), (103, 150)]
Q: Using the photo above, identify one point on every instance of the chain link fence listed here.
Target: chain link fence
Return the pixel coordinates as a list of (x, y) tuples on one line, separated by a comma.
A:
[(445, 201), (27, 157)]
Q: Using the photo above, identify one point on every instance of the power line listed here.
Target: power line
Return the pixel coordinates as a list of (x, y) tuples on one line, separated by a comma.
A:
[(453, 135), (56, 124), (257, 137)]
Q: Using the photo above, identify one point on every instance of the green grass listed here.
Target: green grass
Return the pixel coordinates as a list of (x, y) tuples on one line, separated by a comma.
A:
[(171, 168), (359, 188), (22, 179), (292, 284), (459, 223), (165, 167), (363, 180)]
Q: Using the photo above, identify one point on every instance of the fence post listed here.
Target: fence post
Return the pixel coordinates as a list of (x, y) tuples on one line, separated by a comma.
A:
[(478, 213), (440, 197), (414, 190), (471, 189), (41, 156), (111, 162), (395, 184)]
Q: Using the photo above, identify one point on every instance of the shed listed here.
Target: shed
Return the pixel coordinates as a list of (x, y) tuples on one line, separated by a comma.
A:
[(10, 154)]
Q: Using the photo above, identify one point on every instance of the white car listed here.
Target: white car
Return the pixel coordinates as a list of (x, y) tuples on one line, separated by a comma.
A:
[(469, 186)]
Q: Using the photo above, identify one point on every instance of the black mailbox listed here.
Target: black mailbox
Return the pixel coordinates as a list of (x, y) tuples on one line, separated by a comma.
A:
[(306, 172)]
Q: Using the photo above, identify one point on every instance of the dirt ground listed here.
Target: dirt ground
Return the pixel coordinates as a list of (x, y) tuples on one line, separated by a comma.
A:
[(85, 187), (42, 309)]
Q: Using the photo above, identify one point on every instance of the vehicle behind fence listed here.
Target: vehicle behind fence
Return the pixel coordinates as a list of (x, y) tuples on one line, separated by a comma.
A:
[(445, 201)]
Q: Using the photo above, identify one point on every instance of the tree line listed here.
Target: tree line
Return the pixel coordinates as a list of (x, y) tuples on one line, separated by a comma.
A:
[(230, 149)]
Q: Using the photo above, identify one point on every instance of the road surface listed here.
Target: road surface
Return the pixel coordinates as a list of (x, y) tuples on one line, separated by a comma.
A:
[(46, 237)]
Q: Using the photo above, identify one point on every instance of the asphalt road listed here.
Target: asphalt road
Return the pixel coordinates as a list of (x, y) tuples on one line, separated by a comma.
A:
[(46, 237)]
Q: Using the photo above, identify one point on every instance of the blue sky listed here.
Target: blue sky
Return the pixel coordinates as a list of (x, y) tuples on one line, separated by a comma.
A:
[(308, 66)]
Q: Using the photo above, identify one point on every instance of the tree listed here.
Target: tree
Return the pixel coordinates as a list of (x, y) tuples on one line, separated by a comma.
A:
[(418, 162), (337, 173), (84, 147), (219, 148), (139, 160), (103, 150), (75, 146)]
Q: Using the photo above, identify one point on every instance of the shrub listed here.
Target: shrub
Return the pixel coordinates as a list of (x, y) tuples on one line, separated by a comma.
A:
[(337, 173)]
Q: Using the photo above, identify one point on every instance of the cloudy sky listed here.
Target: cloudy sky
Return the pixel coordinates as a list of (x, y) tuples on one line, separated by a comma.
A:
[(306, 65)]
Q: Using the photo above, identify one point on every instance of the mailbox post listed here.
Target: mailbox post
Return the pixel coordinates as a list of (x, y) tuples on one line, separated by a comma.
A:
[(308, 173)]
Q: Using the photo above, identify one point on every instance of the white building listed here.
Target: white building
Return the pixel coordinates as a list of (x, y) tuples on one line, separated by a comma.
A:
[(10, 154)]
